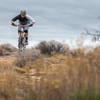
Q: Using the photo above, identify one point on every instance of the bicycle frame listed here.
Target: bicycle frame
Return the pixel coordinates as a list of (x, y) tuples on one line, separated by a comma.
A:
[(21, 40)]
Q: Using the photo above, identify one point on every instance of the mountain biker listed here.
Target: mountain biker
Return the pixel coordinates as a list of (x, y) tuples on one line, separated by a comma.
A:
[(23, 19)]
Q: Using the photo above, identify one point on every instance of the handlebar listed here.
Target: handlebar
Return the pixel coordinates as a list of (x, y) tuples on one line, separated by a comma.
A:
[(29, 25)]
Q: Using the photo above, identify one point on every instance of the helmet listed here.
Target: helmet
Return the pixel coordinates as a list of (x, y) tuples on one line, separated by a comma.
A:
[(23, 12)]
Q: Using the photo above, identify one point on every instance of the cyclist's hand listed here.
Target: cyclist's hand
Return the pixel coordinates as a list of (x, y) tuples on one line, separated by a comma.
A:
[(30, 25), (13, 24)]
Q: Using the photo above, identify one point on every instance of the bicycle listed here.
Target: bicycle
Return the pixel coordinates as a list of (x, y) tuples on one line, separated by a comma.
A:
[(21, 40)]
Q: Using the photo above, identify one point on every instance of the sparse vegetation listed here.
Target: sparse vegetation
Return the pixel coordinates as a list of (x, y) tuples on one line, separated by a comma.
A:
[(72, 75), (6, 49)]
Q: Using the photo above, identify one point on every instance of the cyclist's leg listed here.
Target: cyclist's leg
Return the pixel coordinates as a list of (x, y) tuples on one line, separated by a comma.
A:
[(26, 33), (19, 34), (19, 31), (26, 36)]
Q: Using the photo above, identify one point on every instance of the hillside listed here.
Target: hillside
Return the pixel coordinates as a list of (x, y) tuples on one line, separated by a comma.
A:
[(50, 71)]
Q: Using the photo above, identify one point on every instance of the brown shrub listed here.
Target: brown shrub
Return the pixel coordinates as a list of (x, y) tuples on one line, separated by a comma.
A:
[(6, 49), (50, 46), (28, 55)]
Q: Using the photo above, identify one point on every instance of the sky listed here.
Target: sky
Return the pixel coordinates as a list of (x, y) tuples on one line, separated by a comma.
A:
[(55, 19)]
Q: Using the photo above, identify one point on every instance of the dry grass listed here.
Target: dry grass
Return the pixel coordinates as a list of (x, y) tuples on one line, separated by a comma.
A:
[(55, 77), (66, 74), (12, 84)]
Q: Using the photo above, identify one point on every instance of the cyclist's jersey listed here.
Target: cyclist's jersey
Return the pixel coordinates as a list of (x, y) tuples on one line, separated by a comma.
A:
[(23, 21)]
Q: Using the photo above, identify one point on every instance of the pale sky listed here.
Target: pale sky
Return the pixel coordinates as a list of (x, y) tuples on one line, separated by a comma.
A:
[(55, 19)]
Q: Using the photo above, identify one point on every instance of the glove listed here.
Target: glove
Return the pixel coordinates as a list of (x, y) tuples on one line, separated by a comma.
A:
[(30, 25), (13, 24)]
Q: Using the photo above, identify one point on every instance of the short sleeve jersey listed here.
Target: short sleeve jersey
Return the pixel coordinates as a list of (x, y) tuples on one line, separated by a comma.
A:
[(23, 21)]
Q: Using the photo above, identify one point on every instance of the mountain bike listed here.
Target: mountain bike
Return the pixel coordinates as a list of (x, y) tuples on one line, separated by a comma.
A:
[(21, 39)]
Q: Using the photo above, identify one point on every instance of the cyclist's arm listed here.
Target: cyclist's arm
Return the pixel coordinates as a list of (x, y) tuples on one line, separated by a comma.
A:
[(15, 19), (31, 20)]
